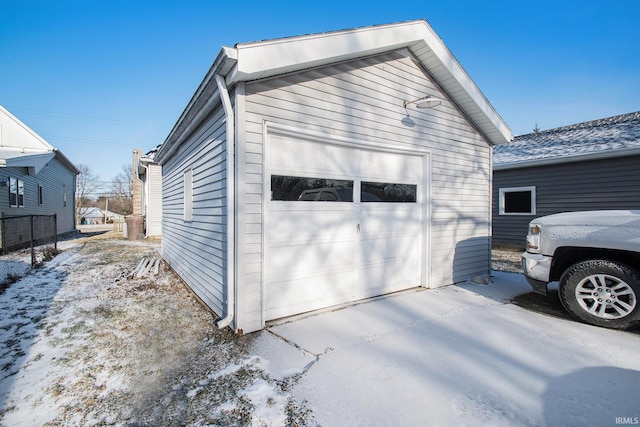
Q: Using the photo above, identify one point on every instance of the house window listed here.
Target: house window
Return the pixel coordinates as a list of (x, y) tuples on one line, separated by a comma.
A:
[(16, 193), (388, 192), (188, 195), (518, 201), (40, 198), (20, 193), (13, 192), (295, 188)]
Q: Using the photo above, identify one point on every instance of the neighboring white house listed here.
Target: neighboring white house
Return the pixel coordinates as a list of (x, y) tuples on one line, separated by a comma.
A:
[(35, 177), (147, 191), (318, 170), (93, 215)]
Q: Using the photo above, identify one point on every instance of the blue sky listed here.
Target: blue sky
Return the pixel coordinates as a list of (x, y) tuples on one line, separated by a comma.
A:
[(99, 78)]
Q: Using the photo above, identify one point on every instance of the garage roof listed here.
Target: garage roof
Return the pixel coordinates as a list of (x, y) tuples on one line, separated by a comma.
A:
[(257, 60)]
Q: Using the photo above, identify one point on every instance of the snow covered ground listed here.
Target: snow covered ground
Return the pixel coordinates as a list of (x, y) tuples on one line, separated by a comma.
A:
[(83, 344), (464, 355)]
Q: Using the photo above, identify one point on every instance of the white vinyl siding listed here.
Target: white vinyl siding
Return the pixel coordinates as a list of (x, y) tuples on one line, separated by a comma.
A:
[(196, 250), (363, 100)]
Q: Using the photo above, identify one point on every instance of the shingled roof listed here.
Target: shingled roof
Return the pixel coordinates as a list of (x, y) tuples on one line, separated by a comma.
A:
[(603, 138)]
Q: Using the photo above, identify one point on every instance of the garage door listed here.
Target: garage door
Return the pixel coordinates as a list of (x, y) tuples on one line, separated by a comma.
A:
[(343, 224)]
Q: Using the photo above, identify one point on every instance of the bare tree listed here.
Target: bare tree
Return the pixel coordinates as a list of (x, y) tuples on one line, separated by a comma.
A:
[(122, 191), (86, 185)]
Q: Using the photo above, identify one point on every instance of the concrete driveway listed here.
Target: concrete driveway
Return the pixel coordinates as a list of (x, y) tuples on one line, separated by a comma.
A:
[(459, 355)]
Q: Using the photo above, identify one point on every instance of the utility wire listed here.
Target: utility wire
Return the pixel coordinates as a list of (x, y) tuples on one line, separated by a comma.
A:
[(81, 117), (85, 140)]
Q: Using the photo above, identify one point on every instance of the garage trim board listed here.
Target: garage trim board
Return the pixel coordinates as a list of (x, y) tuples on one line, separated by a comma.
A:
[(347, 219)]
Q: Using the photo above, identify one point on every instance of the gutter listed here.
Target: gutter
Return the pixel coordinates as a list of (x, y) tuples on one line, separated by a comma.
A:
[(143, 196), (200, 105), (230, 159)]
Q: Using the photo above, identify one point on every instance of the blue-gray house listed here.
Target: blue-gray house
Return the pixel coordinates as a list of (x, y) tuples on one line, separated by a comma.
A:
[(585, 166)]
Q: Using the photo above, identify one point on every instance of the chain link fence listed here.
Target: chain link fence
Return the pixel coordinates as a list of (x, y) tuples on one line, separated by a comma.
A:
[(28, 231)]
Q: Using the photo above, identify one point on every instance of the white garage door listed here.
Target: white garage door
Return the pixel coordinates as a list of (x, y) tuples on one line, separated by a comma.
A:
[(343, 224)]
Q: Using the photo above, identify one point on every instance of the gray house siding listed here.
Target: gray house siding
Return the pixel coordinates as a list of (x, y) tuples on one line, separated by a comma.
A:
[(362, 100), (612, 183), (196, 249), (58, 193)]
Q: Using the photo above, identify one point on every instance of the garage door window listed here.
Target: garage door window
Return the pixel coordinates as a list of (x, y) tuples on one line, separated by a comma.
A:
[(388, 192), (295, 188)]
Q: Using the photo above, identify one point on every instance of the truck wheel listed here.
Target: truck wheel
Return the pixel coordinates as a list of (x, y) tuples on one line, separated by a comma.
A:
[(602, 293)]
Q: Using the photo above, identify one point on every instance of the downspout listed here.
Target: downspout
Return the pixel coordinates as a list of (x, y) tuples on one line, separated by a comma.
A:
[(231, 200), (144, 197)]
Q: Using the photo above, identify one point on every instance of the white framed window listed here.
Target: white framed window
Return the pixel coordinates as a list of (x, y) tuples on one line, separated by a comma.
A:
[(16, 193), (13, 192), (517, 201), (40, 195), (188, 195), (20, 193)]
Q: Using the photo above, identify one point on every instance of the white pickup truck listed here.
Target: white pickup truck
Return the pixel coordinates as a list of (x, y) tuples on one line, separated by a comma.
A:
[(595, 258)]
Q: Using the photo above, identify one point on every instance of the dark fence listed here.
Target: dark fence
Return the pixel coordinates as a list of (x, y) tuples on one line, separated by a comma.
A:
[(28, 231)]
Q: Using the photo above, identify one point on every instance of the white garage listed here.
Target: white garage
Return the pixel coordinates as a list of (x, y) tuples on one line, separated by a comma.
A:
[(318, 170)]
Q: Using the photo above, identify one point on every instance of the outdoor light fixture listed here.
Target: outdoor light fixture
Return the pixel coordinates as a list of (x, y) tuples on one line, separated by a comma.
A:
[(426, 102)]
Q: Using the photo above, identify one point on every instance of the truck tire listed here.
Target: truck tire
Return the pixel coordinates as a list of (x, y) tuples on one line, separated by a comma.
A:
[(602, 293)]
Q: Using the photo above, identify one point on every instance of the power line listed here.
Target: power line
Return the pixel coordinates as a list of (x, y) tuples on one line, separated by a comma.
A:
[(82, 117), (83, 140), (79, 139)]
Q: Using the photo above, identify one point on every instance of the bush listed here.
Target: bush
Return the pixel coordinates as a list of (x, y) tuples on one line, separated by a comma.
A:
[(10, 279)]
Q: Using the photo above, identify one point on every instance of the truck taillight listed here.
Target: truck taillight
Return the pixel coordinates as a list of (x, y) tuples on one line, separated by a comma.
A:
[(533, 239)]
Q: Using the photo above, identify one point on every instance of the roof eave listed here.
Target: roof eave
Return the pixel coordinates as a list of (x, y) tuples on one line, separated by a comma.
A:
[(33, 162), (65, 160), (45, 145), (270, 58), (200, 102), (258, 60)]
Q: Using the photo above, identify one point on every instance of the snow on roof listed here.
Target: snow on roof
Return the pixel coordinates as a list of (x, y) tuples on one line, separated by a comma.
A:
[(602, 138), (152, 153), (91, 212)]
